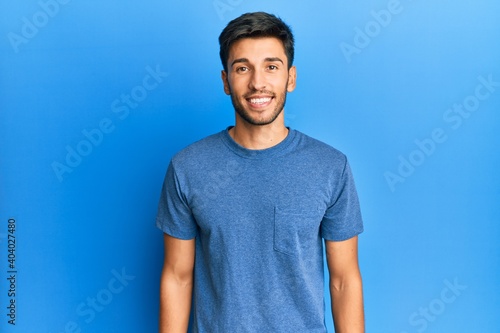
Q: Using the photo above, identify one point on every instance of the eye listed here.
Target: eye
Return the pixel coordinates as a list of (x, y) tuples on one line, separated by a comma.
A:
[(241, 69), (272, 67)]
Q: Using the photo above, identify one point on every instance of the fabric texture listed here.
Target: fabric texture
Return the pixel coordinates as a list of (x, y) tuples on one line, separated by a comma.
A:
[(259, 217)]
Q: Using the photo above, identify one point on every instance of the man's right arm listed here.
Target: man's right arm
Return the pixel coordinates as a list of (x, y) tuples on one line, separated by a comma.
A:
[(176, 285)]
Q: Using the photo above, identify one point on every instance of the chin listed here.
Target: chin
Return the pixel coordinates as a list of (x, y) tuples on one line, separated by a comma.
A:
[(258, 121)]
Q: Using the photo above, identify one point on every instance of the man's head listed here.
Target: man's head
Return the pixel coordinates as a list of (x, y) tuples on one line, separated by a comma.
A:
[(257, 51), (256, 25)]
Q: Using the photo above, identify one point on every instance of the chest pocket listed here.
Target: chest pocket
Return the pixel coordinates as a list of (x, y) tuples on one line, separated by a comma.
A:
[(296, 232)]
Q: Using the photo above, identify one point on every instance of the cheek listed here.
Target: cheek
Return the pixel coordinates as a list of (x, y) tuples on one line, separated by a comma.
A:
[(238, 86), (281, 82), (282, 87)]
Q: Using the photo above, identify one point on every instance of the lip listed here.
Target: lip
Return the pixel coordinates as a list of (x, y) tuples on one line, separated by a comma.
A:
[(259, 101)]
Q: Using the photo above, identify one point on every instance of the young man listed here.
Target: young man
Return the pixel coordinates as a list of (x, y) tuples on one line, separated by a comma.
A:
[(244, 211)]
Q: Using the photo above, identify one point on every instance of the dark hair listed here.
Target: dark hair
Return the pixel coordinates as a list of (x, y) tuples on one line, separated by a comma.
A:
[(255, 25)]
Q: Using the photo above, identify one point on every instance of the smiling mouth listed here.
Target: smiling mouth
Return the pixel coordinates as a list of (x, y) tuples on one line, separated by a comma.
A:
[(259, 102)]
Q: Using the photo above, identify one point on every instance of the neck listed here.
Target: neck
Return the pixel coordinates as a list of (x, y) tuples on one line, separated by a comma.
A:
[(258, 137)]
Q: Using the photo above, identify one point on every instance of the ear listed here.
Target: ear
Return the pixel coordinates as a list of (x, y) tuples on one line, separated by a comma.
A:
[(225, 81), (292, 79)]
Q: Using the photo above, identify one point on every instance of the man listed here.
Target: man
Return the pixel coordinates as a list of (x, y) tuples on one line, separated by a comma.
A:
[(244, 211)]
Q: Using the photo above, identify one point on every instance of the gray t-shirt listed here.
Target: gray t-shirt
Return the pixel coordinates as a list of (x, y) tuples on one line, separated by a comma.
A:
[(259, 217)]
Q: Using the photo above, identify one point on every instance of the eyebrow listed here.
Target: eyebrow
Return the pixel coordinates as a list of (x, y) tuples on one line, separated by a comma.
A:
[(245, 60), (274, 59)]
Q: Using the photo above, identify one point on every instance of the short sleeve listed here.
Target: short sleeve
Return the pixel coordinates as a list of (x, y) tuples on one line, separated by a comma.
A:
[(174, 214), (342, 219)]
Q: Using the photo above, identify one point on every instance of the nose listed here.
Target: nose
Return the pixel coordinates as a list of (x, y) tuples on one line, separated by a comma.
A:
[(257, 81)]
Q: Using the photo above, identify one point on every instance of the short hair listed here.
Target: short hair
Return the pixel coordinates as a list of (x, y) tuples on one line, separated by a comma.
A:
[(255, 25)]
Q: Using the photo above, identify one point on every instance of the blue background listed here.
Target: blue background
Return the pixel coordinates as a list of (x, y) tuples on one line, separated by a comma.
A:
[(435, 226)]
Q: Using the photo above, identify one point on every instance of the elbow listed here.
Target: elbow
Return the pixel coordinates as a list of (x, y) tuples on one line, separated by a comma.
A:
[(340, 284), (337, 285), (180, 277)]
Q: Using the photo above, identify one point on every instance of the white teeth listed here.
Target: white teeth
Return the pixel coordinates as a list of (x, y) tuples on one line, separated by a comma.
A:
[(260, 100)]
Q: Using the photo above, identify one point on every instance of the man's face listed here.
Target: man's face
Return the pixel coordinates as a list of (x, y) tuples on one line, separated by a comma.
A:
[(258, 79)]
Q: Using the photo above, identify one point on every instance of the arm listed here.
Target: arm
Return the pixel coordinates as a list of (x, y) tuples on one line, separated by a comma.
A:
[(176, 284), (345, 286)]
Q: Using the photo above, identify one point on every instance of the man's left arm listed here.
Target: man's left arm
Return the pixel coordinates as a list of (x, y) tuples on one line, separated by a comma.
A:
[(346, 287)]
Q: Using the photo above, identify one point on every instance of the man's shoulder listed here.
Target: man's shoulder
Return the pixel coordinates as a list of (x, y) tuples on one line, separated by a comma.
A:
[(199, 150), (319, 149)]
